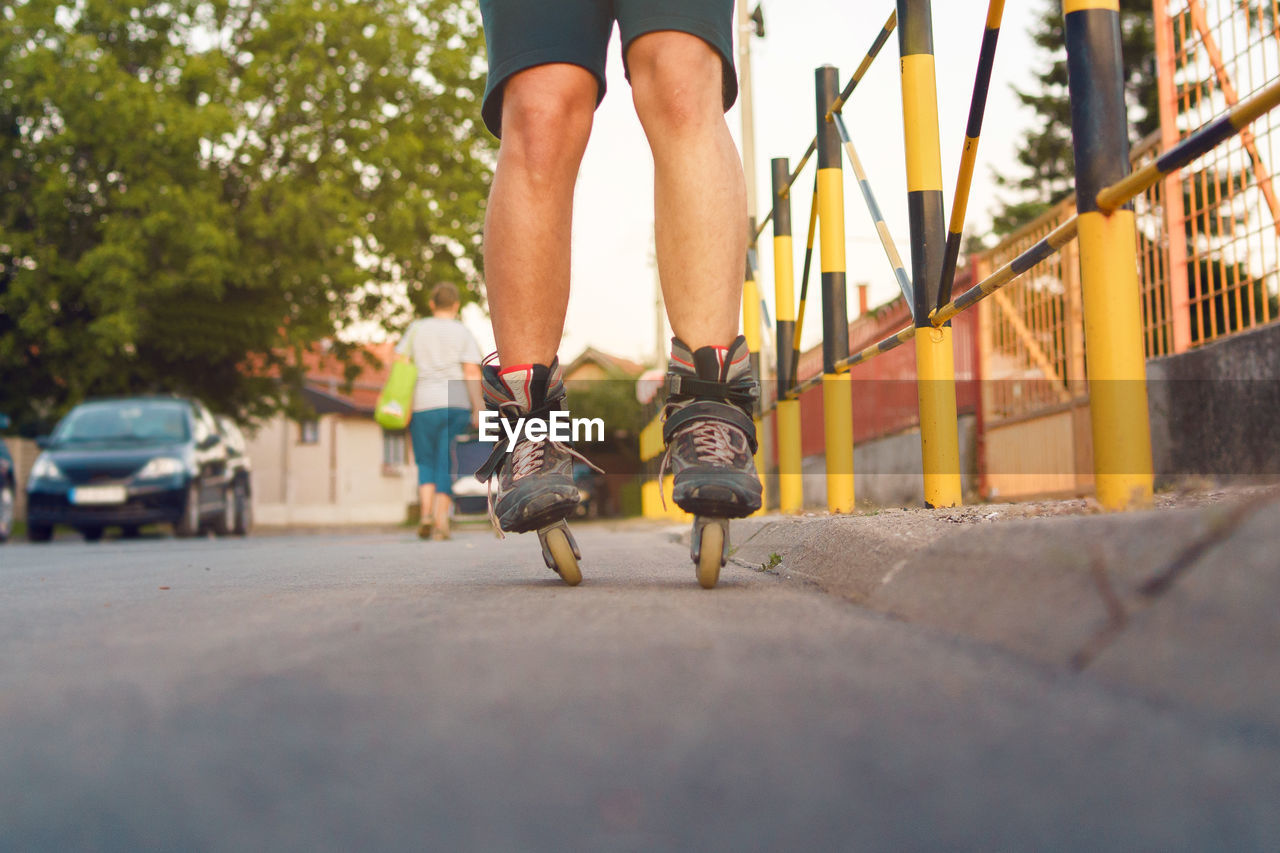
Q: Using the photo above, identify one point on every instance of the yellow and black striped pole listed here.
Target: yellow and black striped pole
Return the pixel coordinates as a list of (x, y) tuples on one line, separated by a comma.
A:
[(836, 105), (973, 130), (837, 397), (751, 331), (790, 485), (1116, 368), (935, 361), (804, 284)]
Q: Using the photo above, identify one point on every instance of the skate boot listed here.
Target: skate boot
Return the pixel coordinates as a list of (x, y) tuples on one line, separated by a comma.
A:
[(711, 442), (531, 484)]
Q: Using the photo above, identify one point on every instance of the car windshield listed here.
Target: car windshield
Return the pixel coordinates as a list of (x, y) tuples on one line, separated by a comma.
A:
[(151, 421)]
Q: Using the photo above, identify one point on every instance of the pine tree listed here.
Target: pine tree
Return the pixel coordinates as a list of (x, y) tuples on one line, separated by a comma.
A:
[(1046, 173)]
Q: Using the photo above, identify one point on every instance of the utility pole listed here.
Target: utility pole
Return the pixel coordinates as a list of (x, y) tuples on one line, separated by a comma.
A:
[(752, 24), (659, 314), (747, 27)]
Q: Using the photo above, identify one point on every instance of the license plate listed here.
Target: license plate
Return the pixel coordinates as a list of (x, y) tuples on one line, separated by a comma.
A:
[(98, 495)]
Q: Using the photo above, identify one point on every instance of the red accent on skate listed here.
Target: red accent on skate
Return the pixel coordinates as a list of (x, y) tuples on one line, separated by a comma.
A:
[(528, 376), (682, 361)]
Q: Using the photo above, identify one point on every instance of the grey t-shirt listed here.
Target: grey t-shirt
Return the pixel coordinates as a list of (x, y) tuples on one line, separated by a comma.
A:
[(439, 348)]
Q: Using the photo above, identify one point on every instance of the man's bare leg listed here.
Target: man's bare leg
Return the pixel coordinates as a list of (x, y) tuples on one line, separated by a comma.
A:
[(546, 120), (700, 207), (701, 224)]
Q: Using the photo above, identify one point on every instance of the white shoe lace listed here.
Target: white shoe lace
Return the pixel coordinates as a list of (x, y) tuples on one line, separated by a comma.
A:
[(713, 441), (526, 459)]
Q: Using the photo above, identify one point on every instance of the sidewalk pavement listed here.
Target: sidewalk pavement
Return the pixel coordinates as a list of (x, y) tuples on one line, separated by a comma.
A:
[(1180, 605)]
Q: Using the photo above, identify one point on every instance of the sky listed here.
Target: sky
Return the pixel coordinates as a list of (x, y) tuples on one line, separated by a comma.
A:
[(612, 306)]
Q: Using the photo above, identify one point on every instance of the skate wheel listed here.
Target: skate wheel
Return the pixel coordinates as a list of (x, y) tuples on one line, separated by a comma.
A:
[(710, 555), (566, 562)]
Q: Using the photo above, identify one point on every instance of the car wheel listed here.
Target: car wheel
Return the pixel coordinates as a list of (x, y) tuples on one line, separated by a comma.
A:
[(227, 518), (91, 534), (39, 532), (189, 524), (244, 510), (6, 512)]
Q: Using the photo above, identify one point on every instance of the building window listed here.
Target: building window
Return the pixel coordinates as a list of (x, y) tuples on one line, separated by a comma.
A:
[(393, 449), (309, 432)]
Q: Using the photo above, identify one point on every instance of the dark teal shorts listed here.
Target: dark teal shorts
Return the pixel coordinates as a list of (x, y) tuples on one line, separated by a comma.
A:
[(432, 432), (520, 34)]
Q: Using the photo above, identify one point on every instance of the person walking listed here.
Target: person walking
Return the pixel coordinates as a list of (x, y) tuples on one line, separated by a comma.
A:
[(546, 77), (446, 400)]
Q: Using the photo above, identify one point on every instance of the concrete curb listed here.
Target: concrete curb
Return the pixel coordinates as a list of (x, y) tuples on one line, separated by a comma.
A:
[(1178, 604)]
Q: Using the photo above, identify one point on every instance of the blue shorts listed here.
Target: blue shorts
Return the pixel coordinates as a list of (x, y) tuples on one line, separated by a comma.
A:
[(432, 432)]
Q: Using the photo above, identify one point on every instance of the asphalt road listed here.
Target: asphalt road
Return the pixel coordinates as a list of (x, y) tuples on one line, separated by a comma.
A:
[(373, 692)]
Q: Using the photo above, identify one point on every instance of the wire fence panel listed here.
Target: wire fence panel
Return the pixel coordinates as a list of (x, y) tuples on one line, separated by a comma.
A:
[(1222, 50), (1208, 257), (1153, 258), (1033, 346)]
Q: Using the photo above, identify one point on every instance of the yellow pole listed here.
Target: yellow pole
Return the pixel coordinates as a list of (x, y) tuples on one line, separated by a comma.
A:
[(751, 331), (837, 396), (935, 361), (790, 483), (1116, 367)]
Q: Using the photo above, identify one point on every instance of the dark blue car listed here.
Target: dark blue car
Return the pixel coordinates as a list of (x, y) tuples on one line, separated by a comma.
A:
[(130, 462)]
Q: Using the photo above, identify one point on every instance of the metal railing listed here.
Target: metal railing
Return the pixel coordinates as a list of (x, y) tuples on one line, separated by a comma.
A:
[(1101, 233)]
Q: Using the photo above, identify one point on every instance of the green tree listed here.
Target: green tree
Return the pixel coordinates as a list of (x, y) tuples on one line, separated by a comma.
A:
[(1045, 163), (193, 192)]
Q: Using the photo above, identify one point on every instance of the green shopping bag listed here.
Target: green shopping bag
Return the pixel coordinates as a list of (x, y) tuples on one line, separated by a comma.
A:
[(395, 403)]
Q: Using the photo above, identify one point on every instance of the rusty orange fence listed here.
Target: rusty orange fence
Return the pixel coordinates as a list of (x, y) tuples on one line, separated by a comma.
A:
[(1208, 240)]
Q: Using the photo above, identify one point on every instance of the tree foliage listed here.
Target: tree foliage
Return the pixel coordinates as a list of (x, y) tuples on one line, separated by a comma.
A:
[(1045, 163), (194, 191)]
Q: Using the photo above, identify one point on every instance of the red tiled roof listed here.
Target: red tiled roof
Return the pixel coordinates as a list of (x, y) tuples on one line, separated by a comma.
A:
[(326, 375), (607, 360)]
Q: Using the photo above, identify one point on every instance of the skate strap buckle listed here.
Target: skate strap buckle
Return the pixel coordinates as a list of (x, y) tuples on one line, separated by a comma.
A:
[(700, 410), (741, 393)]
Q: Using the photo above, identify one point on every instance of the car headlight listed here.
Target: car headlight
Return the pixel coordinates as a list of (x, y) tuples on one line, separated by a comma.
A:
[(161, 466), (45, 469)]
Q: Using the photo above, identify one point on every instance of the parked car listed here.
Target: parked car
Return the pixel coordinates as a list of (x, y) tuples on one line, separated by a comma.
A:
[(132, 461), (8, 486), (240, 471), (470, 496), (590, 491)]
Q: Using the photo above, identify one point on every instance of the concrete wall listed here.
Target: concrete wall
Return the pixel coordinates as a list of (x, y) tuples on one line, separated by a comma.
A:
[(24, 453), (340, 479), (888, 471), (1215, 411)]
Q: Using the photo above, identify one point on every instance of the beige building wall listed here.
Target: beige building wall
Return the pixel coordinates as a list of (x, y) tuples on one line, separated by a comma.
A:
[(339, 479), (24, 452)]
